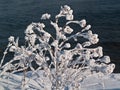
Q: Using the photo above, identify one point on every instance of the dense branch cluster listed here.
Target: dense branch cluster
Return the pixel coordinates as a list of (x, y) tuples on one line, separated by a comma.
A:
[(60, 65)]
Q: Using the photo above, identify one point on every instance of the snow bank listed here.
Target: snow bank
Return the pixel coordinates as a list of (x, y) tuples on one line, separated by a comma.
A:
[(94, 82)]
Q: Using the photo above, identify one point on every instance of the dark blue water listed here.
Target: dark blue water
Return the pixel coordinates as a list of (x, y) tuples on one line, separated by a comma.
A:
[(103, 15)]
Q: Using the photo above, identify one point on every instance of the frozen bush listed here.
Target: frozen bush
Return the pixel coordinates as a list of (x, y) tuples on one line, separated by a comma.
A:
[(49, 62)]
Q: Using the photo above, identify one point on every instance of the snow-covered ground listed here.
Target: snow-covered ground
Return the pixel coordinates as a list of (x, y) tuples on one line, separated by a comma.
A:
[(110, 82)]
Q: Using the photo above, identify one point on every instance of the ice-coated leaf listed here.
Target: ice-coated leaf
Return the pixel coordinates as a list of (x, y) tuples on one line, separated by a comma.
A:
[(67, 12), (29, 29), (108, 68), (11, 39), (67, 45), (94, 39), (78, 46), (100, 51), (55, 43), (68, 30), (41, 25), (105, 59), (69, 17), (86, 28), (12, 49), (46, 16), (82, 23)]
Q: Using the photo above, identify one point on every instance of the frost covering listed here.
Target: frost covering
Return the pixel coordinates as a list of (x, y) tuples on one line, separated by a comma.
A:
[(62, 61)]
